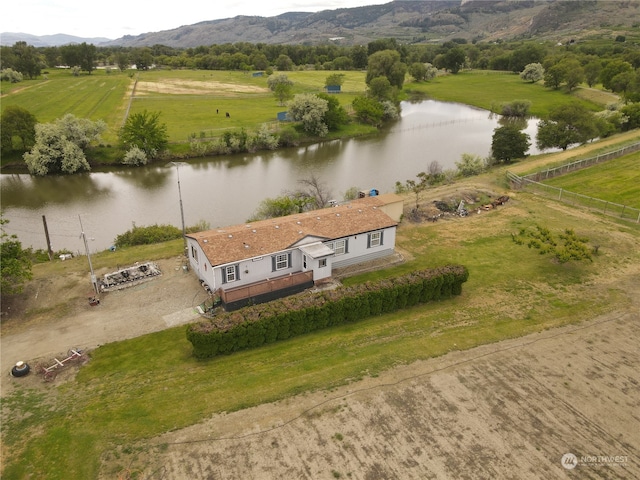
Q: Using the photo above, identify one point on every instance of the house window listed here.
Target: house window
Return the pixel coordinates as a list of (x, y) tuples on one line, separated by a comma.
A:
[(322, 263), (375, 239), (340, 247), (194, 253), (230, 274), (282, 261), (304, 262)]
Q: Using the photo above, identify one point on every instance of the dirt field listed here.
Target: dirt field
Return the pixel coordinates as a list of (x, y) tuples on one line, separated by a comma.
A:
[(504, 411), (191, 87)]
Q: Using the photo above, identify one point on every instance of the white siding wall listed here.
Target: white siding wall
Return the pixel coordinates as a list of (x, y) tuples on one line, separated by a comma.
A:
[(359, 252), (200, 265), (258, 269)]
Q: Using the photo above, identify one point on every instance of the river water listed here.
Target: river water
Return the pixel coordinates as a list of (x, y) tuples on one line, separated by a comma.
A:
[(226, 190)]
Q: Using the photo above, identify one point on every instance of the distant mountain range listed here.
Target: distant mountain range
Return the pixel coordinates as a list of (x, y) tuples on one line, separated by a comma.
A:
[(10, 38), (409, 21)]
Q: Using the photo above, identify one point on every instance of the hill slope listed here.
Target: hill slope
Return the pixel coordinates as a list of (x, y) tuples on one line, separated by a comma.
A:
[(409, 22)]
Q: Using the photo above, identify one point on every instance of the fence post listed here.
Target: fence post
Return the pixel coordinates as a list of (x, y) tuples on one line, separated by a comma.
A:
[(560, 195), (622, 213), (605, 207)]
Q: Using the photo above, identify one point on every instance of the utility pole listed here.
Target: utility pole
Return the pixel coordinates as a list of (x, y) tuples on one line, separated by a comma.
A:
[(184, 232), (94, 281), (46, 234)]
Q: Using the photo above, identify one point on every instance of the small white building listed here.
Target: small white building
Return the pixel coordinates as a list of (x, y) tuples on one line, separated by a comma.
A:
[(268, 259)]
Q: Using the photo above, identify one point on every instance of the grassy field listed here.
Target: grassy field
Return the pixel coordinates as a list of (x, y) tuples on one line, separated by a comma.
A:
[(158, 386), (616, 181), (98, 96), (485, 88)]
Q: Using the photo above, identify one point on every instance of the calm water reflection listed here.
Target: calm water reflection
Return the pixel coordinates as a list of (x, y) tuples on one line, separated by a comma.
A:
[(227, 190)]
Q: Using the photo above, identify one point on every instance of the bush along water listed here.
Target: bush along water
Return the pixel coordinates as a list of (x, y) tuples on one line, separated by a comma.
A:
[(288, 317)]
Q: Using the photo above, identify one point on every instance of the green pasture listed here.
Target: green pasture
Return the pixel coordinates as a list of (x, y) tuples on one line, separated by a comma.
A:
[(616, 181), (483, 89), (203, 115), (106, 97), (134, 390), (99, 96)]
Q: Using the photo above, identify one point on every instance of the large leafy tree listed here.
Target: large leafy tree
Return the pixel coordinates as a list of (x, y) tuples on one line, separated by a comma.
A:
[(336, 115), (284, 63), (612, 69), (525, 55), (53, 153), (26, 59), (386, 63), (574, 73), (453, 60), (17, 122), (334, 79), (144, 130), (368, 110), (509, 143), (15, 263), (281, 86), (381, 89), (566, 125), (632, 116), (533, 72), (554, 76), (310, 110), (142, 58), (360, 56), (81, 55), (60, 146)]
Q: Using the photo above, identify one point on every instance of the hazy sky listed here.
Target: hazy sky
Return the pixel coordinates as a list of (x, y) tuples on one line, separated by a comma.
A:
[(116, 18)]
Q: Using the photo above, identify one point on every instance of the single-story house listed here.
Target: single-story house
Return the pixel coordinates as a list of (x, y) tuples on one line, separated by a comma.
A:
[(268, 259)]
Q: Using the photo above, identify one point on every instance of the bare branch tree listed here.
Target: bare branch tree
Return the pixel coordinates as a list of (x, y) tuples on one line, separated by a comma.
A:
[(317, 190)]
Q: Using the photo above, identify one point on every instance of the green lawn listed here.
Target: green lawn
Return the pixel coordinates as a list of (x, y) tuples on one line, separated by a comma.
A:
[(485, 88), (137, 389), (616, 181)]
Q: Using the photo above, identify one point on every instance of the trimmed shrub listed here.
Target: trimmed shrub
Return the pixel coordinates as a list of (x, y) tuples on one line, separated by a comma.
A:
[(257, 325)]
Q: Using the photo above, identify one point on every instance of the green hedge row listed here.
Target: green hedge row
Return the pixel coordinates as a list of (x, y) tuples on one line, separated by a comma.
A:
[(257, 325)]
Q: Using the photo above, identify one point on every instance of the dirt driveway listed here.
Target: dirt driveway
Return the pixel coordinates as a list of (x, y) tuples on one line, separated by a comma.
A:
[(167, 300)]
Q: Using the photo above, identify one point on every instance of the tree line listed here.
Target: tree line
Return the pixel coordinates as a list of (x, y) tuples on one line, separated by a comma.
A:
[(571, 63)]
